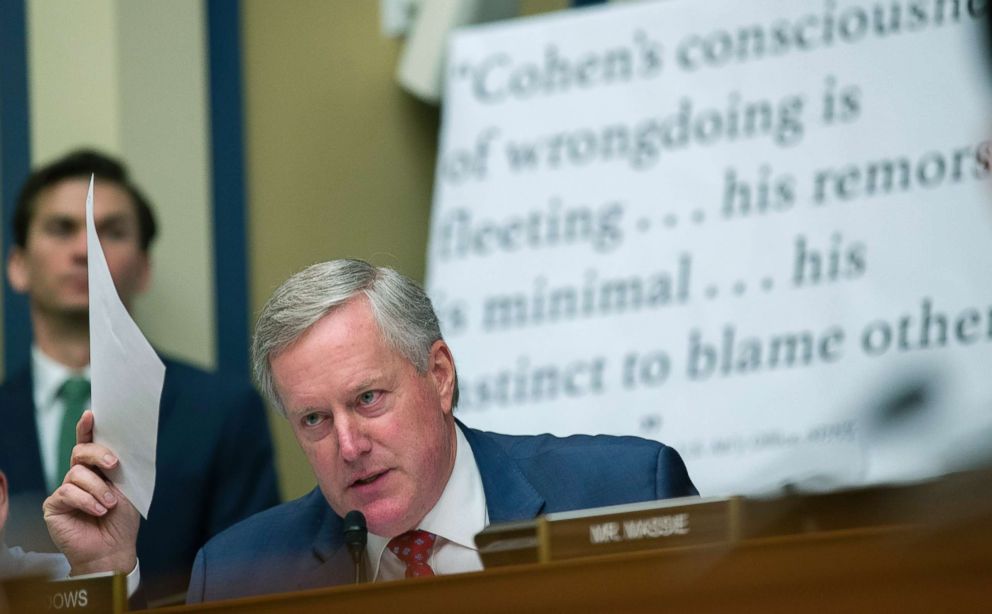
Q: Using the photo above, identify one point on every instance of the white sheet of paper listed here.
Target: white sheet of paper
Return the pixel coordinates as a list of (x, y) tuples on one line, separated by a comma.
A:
[(127, 377)]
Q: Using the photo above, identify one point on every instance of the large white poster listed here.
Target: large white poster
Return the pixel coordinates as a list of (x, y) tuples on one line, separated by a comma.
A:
[(759, 231)]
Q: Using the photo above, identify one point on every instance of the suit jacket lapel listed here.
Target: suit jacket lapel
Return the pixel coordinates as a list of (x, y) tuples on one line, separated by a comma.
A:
[(509, 495), (19, 436), (331, 564), (170, 392), (20, 459)]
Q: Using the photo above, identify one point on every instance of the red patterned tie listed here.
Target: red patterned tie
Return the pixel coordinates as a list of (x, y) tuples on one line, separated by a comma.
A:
[(414, 548)]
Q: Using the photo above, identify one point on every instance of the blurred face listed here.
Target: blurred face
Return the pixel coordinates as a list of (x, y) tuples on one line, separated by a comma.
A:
[(379, 435), (51, 268)]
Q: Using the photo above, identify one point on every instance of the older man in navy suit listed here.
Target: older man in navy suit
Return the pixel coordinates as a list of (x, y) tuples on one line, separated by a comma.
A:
[(214, 460), (353, 357)]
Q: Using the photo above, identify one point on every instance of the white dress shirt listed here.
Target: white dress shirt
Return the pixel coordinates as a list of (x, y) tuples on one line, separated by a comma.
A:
[(48, 377), (457, 516)]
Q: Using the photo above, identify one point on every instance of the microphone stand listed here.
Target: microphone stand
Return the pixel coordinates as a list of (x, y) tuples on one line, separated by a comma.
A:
[(356, 535)]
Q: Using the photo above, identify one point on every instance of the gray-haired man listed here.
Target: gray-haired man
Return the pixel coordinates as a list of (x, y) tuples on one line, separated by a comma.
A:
[(353, 356)]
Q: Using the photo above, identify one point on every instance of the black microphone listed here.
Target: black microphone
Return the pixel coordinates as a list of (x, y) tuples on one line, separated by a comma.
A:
[(356, 534)]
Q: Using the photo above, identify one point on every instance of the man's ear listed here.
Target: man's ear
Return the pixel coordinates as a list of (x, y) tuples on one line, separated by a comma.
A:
[(145, 279), (441, 369), (17, 270)]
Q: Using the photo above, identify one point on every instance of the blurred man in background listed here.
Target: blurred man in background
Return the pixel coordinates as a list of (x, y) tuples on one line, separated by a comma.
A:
[(214, 462)]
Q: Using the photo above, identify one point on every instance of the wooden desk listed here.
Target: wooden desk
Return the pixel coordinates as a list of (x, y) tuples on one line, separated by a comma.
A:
[(944, 565)]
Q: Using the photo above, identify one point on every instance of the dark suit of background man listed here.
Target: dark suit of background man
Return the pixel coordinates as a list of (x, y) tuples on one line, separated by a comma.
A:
[(214, 458), (353, 357)]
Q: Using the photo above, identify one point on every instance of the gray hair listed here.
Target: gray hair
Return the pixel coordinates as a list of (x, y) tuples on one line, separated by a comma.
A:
[(400, 307)]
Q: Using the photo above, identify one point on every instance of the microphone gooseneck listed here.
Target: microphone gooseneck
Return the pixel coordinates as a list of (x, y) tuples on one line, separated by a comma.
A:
[(356, 535)]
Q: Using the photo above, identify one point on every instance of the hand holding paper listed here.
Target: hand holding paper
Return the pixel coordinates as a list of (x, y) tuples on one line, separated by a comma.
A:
[(93, 516), (103, 538), (127, 377)]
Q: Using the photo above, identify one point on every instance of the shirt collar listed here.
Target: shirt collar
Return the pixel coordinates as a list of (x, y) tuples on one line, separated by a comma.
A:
[(48, 376), (459, 514)]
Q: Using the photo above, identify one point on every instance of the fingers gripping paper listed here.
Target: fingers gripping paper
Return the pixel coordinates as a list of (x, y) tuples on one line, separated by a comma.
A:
[(127, 378)]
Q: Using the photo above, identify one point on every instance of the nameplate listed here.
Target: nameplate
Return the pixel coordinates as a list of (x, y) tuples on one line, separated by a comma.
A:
[(681, 523), (674, 523), (641, 526), (105, 594)]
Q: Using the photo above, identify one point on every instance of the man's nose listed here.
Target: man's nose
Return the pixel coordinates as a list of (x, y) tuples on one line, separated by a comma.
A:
[(353, 442), (79, 245)]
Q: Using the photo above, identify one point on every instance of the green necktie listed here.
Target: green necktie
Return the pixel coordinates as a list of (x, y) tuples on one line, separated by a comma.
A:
[(75, 393)]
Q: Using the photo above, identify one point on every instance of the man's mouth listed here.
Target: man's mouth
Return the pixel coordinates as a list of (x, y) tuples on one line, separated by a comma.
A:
[(368, 479)]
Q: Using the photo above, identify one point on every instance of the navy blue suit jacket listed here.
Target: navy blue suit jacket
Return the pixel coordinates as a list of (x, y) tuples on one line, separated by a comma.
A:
[(298, 545), (214, 468)]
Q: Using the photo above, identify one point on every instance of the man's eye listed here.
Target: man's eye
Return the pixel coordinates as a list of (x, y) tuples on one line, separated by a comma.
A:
[(115, 233), (60, 228), (312, 419), (369, 397)]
